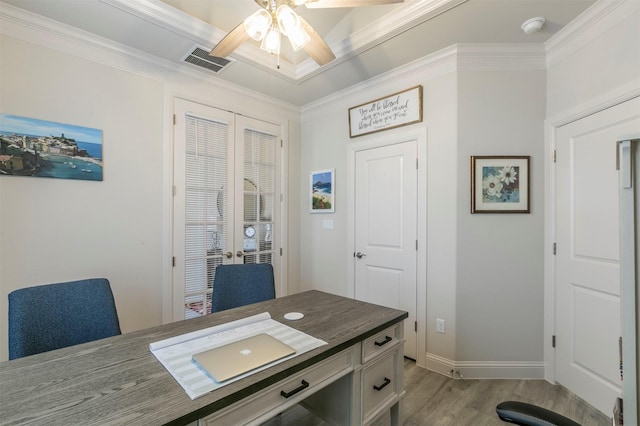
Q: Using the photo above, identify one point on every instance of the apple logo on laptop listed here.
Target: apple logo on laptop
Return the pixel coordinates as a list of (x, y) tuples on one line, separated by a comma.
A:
[(245, 352)]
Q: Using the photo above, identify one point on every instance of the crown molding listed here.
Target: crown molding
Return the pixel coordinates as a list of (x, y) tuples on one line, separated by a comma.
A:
[(377, 32), (457, 57), (593, 22), (501, 57), (38, 30), (429, 67)]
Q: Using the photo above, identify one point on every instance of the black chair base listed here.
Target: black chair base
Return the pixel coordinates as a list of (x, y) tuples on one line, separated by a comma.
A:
[(521, 413)]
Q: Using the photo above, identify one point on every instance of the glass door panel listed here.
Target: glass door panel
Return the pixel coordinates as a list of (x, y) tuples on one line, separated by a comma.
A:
[(203, 208), (259, 165)]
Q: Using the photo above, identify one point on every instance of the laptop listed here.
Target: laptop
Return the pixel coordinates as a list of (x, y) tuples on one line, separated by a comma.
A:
[(236, 358)]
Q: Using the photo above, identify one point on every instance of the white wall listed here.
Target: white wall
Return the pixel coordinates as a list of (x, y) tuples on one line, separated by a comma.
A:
[(54, 230), (323, 253), (598, 66), (480, 293), (441, 105), (325, 257)]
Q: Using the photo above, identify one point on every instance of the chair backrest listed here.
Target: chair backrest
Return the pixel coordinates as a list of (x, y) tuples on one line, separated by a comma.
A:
[(239, 285), (53, 316)]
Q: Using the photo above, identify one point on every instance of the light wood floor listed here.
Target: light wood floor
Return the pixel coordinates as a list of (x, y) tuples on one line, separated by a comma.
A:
[(435, 400)]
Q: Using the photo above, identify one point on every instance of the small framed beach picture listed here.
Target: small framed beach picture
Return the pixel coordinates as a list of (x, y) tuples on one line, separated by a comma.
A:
[(500, 184), (322, 191)]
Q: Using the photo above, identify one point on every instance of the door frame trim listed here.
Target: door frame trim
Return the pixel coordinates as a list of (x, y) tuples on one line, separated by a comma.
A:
[(419, 134), (168, 288)]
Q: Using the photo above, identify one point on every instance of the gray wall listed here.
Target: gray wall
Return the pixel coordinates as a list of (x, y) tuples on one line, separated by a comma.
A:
[(500, 263)]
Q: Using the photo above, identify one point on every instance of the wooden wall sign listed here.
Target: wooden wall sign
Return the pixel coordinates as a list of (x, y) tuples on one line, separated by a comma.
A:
[(399, 109)]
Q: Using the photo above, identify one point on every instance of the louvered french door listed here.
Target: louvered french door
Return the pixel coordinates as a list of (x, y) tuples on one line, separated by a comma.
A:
[(226, 199)]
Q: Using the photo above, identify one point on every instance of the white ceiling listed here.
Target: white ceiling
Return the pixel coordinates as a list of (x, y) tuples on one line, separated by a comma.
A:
[(367, 41)]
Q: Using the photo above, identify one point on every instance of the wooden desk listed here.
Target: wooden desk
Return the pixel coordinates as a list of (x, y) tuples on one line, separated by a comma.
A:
[(119, 381)]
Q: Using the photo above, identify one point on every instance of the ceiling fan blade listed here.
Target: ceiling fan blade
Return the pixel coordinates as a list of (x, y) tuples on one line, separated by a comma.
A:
[(317, 4), (230, 42), (317, 48)]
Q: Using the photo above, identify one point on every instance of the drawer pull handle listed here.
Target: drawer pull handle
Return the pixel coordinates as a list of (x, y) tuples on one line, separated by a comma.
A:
[(303, 386), (384, 342), (379, 388)]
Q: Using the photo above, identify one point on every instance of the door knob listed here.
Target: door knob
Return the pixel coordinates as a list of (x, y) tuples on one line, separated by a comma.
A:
[(239, 253), (360, 255), (228, 255)]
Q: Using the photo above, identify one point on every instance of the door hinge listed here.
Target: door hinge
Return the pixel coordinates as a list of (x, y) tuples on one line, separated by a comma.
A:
[(416, 245), (415, 326), (174, 119), (174, 190), (416, 163), (173, 261), (281, 144), (553, 341), (553, 247), (553, 155)]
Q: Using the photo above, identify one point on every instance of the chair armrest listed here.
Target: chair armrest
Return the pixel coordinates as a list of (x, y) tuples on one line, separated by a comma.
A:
[(521, 413)]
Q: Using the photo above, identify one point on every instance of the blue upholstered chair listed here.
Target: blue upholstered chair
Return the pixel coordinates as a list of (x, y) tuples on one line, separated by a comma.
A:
[(53, 316), (239, 285)]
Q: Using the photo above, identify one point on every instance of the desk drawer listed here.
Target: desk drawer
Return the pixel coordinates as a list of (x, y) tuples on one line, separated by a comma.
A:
[(382, 341), (270, 401), (380, 385)]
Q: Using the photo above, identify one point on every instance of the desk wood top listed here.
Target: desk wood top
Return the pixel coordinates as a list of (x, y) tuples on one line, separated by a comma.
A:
[(119, 381)]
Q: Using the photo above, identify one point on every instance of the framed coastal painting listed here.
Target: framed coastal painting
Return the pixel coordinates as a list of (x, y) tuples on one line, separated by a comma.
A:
[(33, 147), (322, 189), (500, 184)]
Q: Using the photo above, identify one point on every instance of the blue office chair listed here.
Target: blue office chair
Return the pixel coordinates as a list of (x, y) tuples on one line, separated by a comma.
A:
[(239, 285), (521, 413), (53, 316)]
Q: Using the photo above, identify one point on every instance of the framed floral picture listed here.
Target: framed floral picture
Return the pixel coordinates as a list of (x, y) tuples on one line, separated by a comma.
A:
[(322, 189), (500, 184)]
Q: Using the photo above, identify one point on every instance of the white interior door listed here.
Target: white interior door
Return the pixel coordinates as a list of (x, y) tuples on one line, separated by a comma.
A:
[(588, 254), (386, 230)]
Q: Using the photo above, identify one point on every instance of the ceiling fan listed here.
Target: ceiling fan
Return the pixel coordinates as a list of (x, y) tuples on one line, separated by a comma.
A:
[(277, 17)]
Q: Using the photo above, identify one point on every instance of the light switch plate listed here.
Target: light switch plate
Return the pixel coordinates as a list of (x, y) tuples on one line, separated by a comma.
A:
[(327, 224)]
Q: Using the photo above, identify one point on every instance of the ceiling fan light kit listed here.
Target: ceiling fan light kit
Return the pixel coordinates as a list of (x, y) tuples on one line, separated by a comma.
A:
[(257, 24), (266, 25), (277, 17), (271, 41), (288, 20)]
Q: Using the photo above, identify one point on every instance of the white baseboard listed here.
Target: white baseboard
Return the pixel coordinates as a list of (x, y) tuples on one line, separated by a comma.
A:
[(485, 369)]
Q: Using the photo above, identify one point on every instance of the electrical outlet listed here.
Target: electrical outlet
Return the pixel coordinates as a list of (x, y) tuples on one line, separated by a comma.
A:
[(440, 325)]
